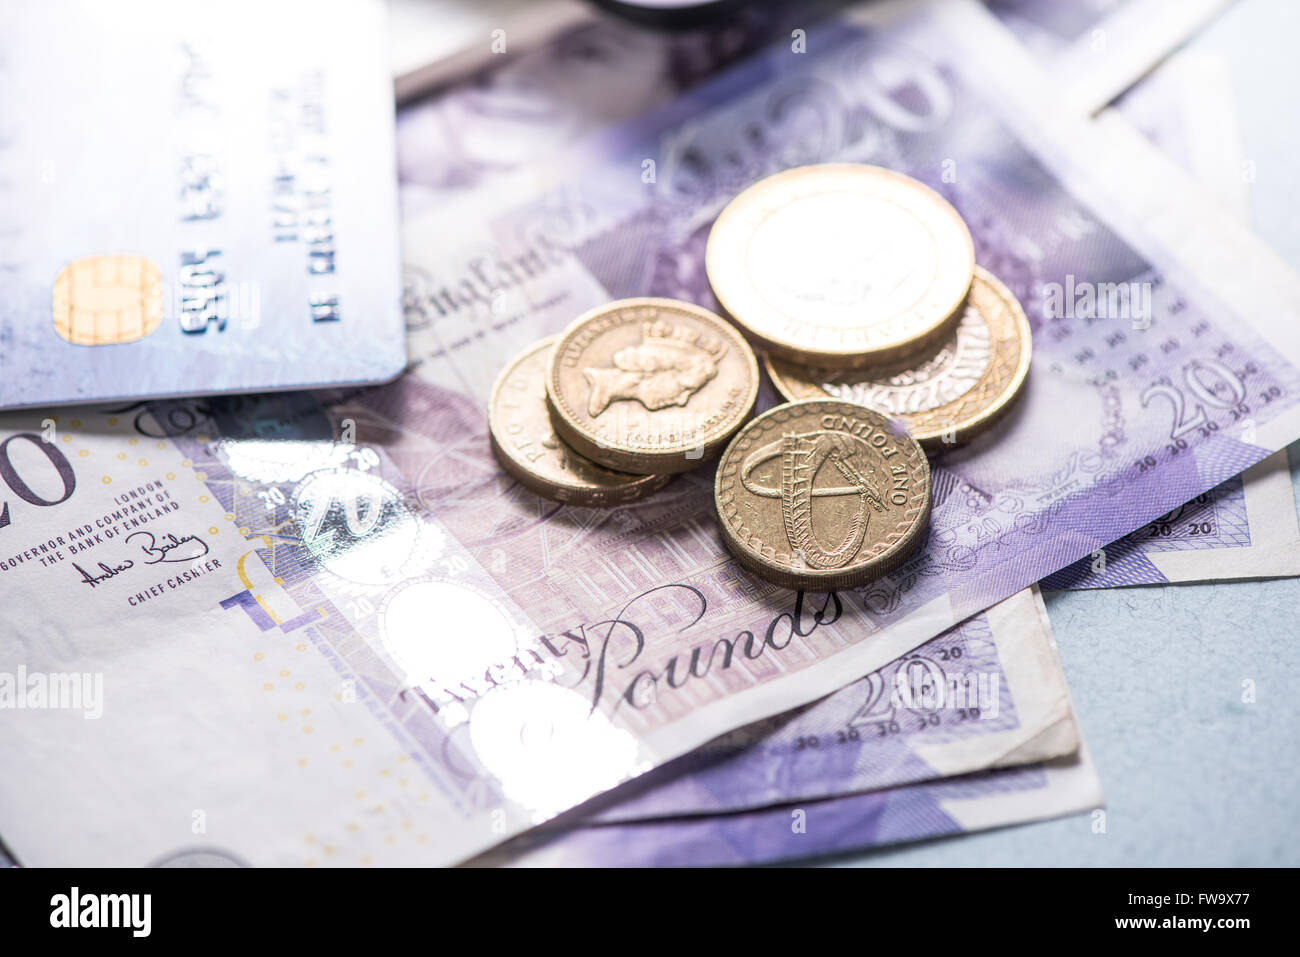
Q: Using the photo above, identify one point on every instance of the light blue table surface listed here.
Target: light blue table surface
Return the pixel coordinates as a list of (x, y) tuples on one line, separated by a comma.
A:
[(1192, 776)]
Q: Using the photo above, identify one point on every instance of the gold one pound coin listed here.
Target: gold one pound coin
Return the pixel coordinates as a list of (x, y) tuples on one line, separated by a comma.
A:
[(650, 386), (524, 443), (822, 494), (841, 264)]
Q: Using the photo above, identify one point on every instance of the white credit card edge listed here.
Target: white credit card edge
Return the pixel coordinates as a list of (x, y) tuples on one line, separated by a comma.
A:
[(521, 30)]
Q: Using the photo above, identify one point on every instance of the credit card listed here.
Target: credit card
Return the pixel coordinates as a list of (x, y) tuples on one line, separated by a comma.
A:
[(195, 198)]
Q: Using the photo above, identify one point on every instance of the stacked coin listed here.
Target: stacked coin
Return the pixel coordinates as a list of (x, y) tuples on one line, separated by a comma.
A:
[(860, 284), (650, 386), (628, 395), (842, 264), (949, 393), (519, 427)]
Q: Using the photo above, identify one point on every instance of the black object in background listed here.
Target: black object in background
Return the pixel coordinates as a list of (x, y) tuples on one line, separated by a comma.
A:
[(672, 14)]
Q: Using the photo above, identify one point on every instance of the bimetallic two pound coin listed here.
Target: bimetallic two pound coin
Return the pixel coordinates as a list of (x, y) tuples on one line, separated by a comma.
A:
[(841, 264), (947, 395), (650, 386), (526, 446), (822, 494)]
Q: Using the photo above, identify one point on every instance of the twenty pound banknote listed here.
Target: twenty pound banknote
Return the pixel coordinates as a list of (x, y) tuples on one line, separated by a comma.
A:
[(988, 693), (1096, 49), (327, 629), (838, 825), (861, 769), (1247, 527), (497, 134)]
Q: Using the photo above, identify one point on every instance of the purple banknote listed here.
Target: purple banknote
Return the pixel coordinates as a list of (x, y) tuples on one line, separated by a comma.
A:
[(854, 822), (1247, 527), (987, 693), (1095, 49), (494, 131), (1244, 528), (1166, 391), (498, 123)]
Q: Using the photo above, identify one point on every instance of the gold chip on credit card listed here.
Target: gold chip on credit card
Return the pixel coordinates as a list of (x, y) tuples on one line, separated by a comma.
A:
[(107, 299)]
